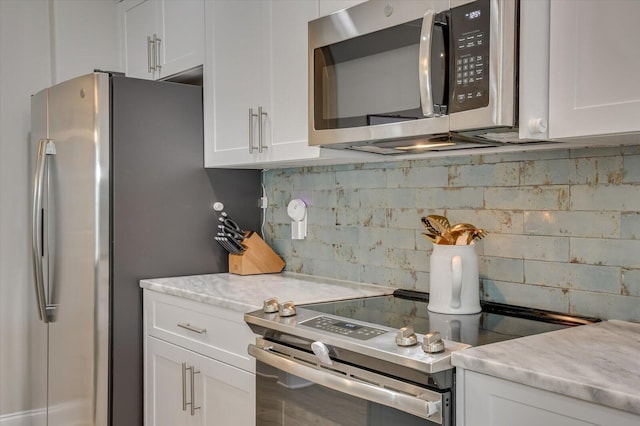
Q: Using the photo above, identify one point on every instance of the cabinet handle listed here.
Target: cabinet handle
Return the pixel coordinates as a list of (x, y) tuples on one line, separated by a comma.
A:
[(184, 386), (193, 391), (260, 130), (149, 54), (251, 116), (192, 388), (157, 42), (193, 328)]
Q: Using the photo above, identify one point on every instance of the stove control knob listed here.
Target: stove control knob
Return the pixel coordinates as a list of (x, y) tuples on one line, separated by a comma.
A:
[(269, 306), (406, 337), (287, 309), (432, 343)]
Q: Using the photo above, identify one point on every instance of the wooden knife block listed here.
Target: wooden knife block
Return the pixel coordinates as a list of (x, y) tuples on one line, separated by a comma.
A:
[(258, 258)]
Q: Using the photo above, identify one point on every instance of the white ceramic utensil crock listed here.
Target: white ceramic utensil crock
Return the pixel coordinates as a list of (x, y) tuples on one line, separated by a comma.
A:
[(454, 286)]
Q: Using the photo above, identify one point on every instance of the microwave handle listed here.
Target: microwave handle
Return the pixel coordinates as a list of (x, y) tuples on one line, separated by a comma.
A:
[(424, 71)]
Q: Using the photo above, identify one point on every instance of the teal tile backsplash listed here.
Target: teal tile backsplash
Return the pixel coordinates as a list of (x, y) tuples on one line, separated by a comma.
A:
[(564, 225)]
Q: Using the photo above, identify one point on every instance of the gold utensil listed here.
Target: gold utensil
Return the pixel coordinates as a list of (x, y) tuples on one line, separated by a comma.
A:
[(463, 227), (430, 237), (429, 226), (479, 234), (460, 233), (440, 231), (441, 223)]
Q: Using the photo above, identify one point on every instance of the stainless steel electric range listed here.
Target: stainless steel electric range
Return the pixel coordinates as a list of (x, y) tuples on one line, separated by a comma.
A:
[(373, 361)]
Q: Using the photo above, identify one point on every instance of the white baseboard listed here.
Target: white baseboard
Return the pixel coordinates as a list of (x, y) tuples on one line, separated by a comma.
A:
[(25, 418)]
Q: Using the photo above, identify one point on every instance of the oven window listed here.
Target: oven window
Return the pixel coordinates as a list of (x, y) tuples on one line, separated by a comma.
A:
[(285, 399), (373, 79)]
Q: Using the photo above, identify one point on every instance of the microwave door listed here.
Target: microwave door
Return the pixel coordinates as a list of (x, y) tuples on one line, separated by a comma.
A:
[(385, 81), (483, 64)]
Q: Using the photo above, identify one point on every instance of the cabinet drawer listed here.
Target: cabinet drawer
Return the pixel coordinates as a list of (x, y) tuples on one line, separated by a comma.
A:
[(211, 331)]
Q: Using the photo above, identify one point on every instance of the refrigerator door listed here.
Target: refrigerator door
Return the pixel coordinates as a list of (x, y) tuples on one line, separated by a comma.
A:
[(78, 286), (38, 328)]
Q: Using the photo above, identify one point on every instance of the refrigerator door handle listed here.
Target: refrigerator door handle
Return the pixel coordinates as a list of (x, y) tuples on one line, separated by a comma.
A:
[(45, 147)]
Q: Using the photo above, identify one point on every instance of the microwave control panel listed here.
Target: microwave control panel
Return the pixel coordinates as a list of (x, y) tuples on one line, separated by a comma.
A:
[(469, 68)]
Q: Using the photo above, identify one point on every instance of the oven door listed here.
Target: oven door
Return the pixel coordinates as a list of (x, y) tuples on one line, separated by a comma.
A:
[(294, 387)]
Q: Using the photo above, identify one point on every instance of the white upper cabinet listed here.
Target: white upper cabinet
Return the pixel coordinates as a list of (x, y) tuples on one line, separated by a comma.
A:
[(255, 82), (232, 81), (579, 68), (161, 38), (286, 78), (138, 22), (594, 68)]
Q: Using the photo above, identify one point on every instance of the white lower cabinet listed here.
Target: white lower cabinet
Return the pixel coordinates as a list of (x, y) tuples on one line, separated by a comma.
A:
[(489, 401), (197, 369), (185, 388)]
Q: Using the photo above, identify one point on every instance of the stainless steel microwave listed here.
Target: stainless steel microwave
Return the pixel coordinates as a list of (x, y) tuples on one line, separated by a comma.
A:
[(406, 76)]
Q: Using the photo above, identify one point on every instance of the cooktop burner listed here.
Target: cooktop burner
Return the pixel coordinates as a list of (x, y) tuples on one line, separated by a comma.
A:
[(495, 323)]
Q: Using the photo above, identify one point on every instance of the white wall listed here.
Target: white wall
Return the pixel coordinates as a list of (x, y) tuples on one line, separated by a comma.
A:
[(84, 38), (24, 69), (41, 42)]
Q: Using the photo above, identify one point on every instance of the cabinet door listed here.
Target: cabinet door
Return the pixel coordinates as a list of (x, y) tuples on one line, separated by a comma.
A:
[(232, 80), (164, 388), (181, 28), (139, 22), (286, 78), (594, 67), (497, 402), (221, 394), (228, 394)]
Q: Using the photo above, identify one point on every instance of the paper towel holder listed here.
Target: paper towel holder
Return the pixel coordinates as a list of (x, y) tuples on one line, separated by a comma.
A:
[(297, 211)]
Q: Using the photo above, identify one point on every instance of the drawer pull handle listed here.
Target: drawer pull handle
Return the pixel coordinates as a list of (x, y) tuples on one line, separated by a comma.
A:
[(193, 328)]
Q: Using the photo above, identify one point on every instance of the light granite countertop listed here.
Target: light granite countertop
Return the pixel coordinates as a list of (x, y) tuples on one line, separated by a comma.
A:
[(598, 363), (246, 293)]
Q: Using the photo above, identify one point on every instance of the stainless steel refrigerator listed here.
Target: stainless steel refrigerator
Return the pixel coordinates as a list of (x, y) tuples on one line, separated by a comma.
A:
[(120, 194)]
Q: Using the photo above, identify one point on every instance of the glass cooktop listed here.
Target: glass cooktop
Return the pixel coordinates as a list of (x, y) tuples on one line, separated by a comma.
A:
[(495, 323)]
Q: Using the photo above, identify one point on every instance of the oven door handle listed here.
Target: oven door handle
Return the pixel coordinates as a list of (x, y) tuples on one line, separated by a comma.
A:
[(416, 405)]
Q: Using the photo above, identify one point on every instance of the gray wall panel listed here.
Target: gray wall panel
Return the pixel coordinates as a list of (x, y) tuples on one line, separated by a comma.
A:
[(163, 224)]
